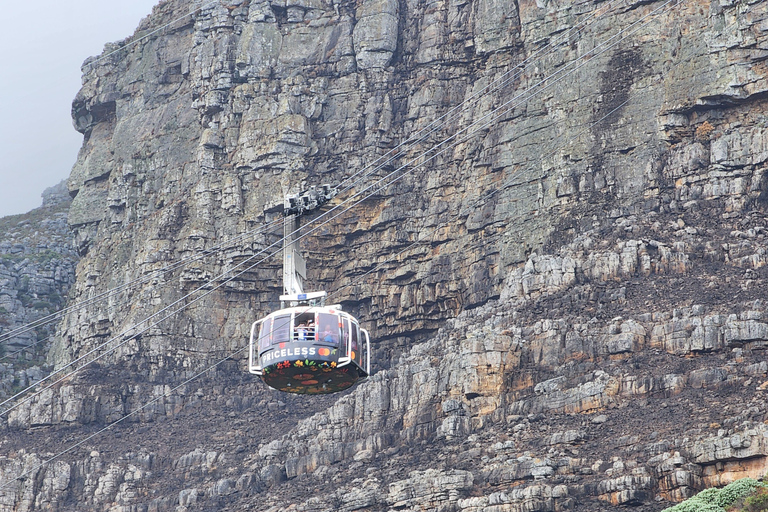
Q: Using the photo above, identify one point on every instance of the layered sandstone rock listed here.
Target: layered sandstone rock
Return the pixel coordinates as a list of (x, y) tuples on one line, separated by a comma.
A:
[(581, 326), (37, 268)]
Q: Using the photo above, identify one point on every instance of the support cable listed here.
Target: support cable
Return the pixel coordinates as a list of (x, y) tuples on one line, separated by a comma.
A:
[(227, 244), (436, 124), (241, 350), (488, 123)]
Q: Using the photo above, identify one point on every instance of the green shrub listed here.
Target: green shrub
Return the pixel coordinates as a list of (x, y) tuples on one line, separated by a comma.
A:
[(717, 500), (709, 495), (736, 490), (757, 503), (694, 505)]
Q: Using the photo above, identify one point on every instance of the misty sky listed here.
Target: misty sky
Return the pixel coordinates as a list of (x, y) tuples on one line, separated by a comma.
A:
[(42, 46)]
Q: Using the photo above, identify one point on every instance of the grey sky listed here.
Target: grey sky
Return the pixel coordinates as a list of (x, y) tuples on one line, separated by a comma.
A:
[(42, 46)]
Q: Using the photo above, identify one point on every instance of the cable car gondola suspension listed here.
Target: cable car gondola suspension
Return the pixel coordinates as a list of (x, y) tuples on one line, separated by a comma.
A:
[(306, 346)]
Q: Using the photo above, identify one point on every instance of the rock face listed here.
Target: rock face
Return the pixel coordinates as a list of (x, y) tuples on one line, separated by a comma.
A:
[(564, 274), (37, 268)]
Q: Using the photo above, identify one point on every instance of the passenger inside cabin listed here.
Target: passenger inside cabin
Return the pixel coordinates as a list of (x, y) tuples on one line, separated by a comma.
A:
[(301, 332), (328, 335), (311, 329)]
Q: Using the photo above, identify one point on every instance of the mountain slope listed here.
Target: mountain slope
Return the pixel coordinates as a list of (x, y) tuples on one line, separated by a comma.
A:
[(581, 325), (37, 268)]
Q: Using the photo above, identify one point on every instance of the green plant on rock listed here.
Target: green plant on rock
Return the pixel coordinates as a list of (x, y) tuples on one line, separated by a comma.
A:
[(757, 502), (708, 495), (694, 505), (737, 490), (46, 256), (41, 304), (718, 500)]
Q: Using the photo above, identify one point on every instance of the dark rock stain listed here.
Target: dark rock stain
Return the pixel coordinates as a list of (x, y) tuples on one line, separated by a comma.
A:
[(623, 69)]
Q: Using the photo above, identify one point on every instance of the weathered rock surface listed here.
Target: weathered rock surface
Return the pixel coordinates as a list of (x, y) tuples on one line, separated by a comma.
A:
[(584, 326), (37, 268)]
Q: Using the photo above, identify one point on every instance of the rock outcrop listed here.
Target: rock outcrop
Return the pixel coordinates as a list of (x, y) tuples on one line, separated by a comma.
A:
[(566, 297), (37, 268)]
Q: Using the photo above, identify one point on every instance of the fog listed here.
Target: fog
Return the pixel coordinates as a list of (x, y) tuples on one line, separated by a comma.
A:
[(42, 46)]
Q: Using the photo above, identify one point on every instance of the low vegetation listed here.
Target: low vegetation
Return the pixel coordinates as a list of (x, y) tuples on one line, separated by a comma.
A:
[(744, 495)]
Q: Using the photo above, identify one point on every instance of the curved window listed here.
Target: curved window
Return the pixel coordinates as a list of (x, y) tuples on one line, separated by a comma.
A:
[(305, 327), (328, 325), (264, 334), (281, 329), (364, 362), (344, 336)]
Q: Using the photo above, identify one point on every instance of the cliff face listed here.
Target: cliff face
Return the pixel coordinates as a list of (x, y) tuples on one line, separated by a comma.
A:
[(582, 326), (37, 268)]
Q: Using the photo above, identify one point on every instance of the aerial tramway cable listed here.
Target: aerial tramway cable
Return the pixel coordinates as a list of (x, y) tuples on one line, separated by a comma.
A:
[(120, 420), (227, 244), (482, 199), (584, 62), (234, 354), (477, 203), (435, 125), (241, 350), (80, 443)]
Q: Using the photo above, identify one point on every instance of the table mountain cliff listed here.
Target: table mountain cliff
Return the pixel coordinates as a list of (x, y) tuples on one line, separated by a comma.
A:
[(563, 269), (37, 269)]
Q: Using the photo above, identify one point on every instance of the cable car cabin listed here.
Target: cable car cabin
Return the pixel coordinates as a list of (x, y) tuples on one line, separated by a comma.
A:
[(309, 350)]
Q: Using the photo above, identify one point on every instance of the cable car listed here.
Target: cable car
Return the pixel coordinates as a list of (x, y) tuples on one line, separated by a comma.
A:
[(307, 347)]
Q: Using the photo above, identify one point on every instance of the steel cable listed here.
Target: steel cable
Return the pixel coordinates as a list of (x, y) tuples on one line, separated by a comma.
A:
[(436, 124), (241, 350), (325, 222), (583, 63)]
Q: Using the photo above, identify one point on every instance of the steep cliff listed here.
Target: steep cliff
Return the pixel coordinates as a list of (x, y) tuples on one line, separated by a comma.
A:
[(583, 324), (37, 268)]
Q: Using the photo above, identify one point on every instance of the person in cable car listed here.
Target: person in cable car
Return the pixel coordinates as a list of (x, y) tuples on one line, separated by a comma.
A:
[(328, 335), (311, 330), (301, 332)]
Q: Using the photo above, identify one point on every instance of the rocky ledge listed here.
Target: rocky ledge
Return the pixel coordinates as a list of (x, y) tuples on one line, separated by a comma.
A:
[(37, 268)]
